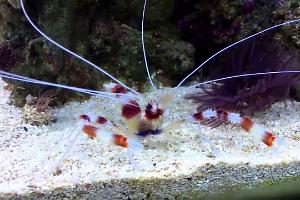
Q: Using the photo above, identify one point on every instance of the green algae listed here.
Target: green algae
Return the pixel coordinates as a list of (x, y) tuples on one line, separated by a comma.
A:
[(93, 30)]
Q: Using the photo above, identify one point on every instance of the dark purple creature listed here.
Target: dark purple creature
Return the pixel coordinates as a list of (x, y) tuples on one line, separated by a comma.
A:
[(8, 57), (253, 93)]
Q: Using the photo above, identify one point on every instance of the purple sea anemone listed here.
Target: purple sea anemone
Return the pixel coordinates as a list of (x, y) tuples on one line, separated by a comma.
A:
[(250, 94)]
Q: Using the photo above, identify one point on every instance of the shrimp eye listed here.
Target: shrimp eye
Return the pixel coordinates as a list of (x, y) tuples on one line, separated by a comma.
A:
[(85, 117)]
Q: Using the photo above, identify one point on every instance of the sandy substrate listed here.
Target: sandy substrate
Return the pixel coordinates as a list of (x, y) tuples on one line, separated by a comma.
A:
[(181, 159)]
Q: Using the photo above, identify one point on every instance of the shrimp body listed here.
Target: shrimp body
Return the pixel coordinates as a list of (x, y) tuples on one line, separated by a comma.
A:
[(219, 116), (143, 121), (136, 121)]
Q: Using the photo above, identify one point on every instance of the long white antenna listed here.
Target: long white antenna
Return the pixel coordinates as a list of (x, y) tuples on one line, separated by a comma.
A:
[(144, 50), (241, 75), (234, 44), (82, 90), (74, 54)]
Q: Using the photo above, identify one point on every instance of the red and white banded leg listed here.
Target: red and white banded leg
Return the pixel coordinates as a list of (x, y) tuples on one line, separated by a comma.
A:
[(219, 116)]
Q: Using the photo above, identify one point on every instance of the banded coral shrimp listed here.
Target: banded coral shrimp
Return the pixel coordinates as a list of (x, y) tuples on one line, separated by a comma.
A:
[(91, 129)]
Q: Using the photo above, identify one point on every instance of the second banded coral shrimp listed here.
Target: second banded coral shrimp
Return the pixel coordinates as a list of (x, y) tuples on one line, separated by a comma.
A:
[(139, 116), (217, 117)]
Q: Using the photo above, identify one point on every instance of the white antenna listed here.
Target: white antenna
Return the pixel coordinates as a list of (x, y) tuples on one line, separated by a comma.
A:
[(82, 90), (143, 44), (74, 54), (234, 44), (241, 75)]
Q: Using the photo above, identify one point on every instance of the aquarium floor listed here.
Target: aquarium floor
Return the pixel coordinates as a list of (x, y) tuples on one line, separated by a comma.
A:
[(192, 157)]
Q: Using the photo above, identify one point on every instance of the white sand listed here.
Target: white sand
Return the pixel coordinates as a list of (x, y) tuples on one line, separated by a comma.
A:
[(27, 158)]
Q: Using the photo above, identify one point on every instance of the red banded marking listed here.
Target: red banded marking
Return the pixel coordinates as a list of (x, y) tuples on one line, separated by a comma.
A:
[(247, 123), (101, 120), (208, 117), (198, 116), (85, 117), (268, 139), (152, 114), (90, 130), (120, 140), (131, 109), (118, 89)]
